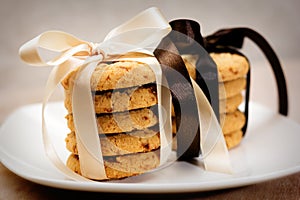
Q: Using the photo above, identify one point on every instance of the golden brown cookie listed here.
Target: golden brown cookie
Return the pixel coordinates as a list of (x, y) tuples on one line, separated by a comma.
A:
[(122, 122), (231, 88), (120, 100), (230, 66), (226, 105), (123, 143), (190, 63), (118, 167), (233, 139), (117, 75), (231, 122), (231, 104)]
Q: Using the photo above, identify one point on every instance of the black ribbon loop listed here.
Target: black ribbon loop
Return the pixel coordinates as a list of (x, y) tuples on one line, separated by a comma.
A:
[(235, 37)]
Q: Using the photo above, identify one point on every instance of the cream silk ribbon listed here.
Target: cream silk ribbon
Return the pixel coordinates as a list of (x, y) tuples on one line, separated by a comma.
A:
[(140, 34), (214, 151)]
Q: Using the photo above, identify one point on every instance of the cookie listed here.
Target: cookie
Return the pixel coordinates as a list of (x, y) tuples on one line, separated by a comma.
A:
[(120, 100), (117, 75), (118, 167), (230, 66), (233, 139), (123, 143), (190, 63), (122, 122), (231, 122), (231, 104), (228, 105), (231, 88)]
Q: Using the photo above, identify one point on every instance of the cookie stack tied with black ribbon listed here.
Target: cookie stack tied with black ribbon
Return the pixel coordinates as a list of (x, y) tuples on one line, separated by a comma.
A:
[(125, 101), (232, 70)]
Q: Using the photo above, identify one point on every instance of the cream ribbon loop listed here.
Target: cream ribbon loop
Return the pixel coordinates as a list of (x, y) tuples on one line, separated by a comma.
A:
[(57, 41)]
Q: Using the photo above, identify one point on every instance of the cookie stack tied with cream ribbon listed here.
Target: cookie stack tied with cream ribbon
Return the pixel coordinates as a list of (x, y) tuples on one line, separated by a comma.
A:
[(125, 102), (232, 70)]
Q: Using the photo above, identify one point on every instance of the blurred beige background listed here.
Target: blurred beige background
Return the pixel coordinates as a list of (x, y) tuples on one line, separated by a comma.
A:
[(91, 20)]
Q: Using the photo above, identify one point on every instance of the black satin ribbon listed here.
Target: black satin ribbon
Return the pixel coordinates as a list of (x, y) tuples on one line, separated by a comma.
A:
[(233, 39), (186, 38), (183, 98)]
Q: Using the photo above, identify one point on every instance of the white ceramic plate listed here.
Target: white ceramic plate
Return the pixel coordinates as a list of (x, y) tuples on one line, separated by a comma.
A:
[(270, 150)]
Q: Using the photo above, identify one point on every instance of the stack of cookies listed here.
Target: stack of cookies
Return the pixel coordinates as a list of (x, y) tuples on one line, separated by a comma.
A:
[(232, 69), (125, 103), (126, 111)]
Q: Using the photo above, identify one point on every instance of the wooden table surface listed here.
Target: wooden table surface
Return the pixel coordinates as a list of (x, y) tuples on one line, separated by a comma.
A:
[(29, 82)]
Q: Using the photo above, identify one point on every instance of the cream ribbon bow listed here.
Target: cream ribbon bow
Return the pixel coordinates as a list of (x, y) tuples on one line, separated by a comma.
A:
[(140, 34)]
